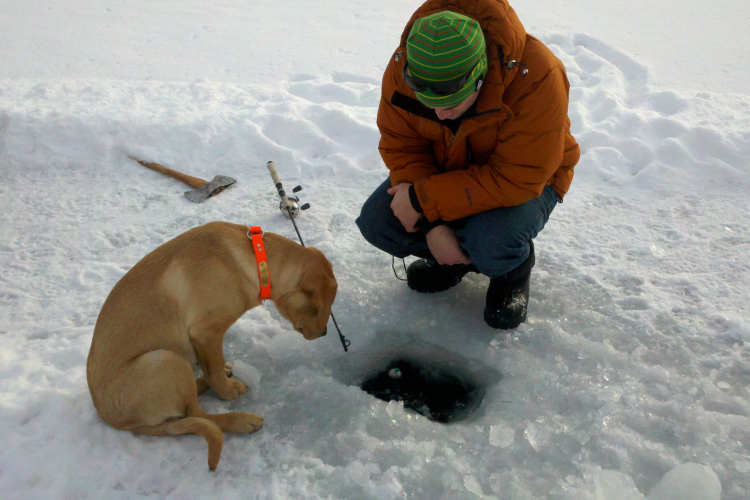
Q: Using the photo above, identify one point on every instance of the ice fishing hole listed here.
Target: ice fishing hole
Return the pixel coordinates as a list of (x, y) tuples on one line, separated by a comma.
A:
[(436, 394), (425, 378)]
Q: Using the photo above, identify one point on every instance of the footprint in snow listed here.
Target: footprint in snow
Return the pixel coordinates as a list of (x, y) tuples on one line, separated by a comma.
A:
[(345, 88), (338, 223)]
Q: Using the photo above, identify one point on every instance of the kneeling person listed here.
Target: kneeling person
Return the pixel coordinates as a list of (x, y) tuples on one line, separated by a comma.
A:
[(476, 136)]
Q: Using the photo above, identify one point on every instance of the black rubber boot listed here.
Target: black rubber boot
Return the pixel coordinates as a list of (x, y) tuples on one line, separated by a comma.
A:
[(427, 276), (508, 296)]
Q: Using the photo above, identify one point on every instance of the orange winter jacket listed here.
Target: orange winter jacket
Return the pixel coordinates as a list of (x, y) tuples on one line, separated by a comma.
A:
[(516, 143)]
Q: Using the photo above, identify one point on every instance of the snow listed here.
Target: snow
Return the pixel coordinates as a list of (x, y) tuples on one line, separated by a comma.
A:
[(631, 378), (613, 485), (687, 481)]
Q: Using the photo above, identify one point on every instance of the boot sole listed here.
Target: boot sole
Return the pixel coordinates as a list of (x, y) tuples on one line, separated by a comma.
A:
[(434, 289), (442, 288), (502, 324)]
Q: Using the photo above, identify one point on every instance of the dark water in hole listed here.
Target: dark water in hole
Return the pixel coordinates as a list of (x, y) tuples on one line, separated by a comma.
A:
[(432, 392)]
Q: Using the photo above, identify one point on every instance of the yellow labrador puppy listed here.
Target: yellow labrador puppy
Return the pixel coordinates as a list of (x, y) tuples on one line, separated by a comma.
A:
[(171, 311)]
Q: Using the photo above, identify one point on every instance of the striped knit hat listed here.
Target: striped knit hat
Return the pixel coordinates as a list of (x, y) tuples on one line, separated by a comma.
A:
[(444, 47)]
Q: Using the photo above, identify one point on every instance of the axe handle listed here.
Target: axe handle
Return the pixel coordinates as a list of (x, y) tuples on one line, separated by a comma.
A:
[(193, 182)]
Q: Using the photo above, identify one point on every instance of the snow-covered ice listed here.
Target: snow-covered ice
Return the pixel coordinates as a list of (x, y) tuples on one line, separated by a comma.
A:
[(687, 482), (630, 380)]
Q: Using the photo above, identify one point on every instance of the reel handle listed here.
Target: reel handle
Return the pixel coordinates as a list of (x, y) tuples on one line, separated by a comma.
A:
[(277, 181)]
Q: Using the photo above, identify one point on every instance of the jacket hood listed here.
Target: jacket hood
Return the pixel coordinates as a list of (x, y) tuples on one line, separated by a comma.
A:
[(500, 24)]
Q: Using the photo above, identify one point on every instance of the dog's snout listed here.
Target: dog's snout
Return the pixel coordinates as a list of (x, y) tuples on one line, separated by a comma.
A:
[(324, 332)]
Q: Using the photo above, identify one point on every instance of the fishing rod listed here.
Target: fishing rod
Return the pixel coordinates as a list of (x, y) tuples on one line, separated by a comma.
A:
[(290, 207)]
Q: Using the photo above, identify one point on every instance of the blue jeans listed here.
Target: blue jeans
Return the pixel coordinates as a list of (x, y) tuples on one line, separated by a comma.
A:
[(496, 241)]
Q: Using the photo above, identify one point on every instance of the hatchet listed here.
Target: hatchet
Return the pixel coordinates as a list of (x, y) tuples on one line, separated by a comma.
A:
[(201, 189)]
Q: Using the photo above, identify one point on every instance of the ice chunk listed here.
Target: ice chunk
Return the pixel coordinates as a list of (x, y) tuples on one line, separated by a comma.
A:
[(614, 485), (248, 374), (472, 485), (688, 481), (537, 435), (501, 435), (357, 473)]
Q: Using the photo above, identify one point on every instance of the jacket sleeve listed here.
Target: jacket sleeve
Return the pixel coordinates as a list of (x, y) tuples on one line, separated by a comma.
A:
[(530, 147), (408, 155)]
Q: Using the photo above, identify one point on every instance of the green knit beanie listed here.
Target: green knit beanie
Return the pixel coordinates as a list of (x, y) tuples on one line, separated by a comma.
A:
[(444, 47)]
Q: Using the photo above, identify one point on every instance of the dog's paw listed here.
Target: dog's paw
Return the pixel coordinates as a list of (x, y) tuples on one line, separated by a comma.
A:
[(248, 422), (238, 421), (234, 390), (238, 385)]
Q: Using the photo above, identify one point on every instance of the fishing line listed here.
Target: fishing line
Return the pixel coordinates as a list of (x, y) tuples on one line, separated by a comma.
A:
[(289, 206)]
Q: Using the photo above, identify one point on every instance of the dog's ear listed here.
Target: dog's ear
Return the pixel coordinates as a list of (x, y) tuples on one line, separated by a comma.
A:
[(318, 282), (314, 287)]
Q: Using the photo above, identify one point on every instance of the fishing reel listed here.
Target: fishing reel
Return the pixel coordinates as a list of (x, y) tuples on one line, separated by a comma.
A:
[(294, 206)]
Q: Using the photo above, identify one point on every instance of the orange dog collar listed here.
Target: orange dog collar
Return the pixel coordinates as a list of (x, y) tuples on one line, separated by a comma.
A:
[(255, 233)]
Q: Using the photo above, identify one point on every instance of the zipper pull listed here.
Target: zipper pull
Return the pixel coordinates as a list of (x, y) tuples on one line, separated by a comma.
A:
[(524, 71)]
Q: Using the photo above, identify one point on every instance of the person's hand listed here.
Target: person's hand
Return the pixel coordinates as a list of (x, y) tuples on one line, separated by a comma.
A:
[(401, 206), (444, 246)]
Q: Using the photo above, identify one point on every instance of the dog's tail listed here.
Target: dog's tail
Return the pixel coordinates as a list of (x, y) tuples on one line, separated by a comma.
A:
[(191, 425)]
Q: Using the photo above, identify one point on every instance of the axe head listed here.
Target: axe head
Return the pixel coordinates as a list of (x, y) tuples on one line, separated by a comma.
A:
[(209, 189)]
